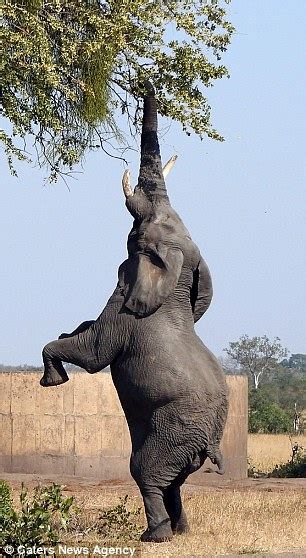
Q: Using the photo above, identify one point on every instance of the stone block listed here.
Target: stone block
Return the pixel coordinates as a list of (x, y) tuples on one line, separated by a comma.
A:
[(24, 463), (51, 434), (23, 398), (112, 435), (5, 390), (69, 435), (49, 401), (115, 468), (87, 436), (5, 434), (6, 463), (68, 395), (86, 394), (103, 468), (89, 466), (110, 401), (54, 465), (24, 435)]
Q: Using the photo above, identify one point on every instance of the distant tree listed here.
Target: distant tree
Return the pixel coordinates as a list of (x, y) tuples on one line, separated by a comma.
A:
[(296, 361), (68, 66), (230, 367), (257, 356), (267, 417)]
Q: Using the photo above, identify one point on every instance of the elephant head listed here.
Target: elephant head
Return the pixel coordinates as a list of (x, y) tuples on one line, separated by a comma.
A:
[(158, 243)]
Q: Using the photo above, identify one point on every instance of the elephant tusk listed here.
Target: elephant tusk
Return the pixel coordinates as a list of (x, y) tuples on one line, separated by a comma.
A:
[(126, 184), (168, 166)]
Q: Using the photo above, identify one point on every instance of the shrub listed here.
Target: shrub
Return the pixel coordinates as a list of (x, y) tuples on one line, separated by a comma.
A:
[(39, 519), (266, 416), (118, 523), (5, 500), (295, 467), (269, 419)]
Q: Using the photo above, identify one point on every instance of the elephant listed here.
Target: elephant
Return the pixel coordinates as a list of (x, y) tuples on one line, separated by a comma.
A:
[(171, 387)]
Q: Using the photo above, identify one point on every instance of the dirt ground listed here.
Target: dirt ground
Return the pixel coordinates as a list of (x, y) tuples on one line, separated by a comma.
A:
[(220, 491), (78, 485)]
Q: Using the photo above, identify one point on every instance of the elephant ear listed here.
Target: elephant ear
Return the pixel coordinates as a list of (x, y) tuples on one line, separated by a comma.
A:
[(201, 291), (152, 277)]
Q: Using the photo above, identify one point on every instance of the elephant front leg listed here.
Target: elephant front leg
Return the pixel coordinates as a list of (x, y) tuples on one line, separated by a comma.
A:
[(54, 372), (76, 350)]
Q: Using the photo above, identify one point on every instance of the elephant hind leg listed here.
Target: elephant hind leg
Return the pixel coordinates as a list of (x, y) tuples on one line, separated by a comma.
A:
[(159, 523), (172, 495), (175, 510)]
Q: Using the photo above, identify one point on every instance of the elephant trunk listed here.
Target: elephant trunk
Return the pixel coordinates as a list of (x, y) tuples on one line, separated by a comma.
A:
[(151, 180)]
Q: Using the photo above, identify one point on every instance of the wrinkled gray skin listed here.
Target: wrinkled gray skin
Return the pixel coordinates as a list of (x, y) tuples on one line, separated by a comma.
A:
[(170, 386)]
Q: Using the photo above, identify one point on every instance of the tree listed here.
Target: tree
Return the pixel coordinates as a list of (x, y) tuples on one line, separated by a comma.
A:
[(257, 355), (267, 416), (229, 366), (68, 67), (296, 361)]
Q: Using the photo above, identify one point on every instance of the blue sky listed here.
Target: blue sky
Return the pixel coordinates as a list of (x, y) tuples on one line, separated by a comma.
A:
[(243, 201)]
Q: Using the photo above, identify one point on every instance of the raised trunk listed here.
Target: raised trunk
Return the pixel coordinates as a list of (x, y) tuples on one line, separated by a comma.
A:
[(151, 180)]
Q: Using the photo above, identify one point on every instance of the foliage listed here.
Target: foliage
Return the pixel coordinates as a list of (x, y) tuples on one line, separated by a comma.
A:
[(118, 523), (257, 355), (229, 366), (296, 361), (5, 500), (39, 519), (69, 66), (267, 417), (295, 467), (285, 389)]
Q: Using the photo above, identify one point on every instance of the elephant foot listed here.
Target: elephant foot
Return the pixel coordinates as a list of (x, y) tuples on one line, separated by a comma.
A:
[(162, 533), (181, 526), (55, 375)]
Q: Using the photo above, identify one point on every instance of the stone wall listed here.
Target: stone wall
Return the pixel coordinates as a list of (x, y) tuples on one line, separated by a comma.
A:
[(79, 428)]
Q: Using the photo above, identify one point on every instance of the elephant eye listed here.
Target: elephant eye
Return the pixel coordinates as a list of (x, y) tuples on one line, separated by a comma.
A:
[(168, 227)]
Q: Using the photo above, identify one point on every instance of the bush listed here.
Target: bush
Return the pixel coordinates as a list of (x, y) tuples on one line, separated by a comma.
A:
[(295, 467), (291, 470), (5, 500), (48, 518), (39, 519), (267, 417), (118, 523)]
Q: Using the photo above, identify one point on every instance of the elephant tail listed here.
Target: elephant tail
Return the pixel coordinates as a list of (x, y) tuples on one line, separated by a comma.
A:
[(216, 458)]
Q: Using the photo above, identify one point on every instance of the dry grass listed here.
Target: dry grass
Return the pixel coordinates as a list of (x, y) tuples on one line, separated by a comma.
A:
[(238, 522), (222, 521), (267, 450)]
